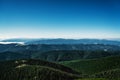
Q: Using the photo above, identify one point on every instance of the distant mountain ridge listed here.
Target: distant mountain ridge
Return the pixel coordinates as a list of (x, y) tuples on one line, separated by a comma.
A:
[(66, 41)]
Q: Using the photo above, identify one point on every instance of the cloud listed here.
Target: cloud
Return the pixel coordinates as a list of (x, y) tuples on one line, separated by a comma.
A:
[(12, 43)]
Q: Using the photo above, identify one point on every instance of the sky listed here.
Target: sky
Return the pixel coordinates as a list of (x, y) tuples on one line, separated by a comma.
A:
[(59, 19)]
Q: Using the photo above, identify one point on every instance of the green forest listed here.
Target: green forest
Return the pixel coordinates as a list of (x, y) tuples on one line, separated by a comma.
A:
[(51, 62)]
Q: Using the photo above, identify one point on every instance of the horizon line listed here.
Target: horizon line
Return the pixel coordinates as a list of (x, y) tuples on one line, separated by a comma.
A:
[(52, 38)]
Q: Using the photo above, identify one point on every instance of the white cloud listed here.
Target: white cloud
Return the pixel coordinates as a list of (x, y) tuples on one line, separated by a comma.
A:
[(12, 43)]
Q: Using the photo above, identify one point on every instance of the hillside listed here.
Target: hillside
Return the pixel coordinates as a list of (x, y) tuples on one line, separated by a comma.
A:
[(35, 70), (67, 55), (95, 65), (113, 74), (50, 47), (57, 56)]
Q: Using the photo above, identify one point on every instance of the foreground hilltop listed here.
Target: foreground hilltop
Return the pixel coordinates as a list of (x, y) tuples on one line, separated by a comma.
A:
[(35, 70), (89, 69)]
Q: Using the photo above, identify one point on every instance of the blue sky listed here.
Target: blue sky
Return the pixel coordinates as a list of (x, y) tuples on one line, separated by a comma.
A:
[(59, 19)]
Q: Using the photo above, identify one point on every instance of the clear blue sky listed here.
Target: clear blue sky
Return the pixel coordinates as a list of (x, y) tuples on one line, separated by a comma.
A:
[(59, 18)]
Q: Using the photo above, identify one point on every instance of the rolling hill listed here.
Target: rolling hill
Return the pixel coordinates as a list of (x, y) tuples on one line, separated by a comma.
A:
[(28, 69), (35, 70), (68, 55), (94, 66), (51, 47), (57, 56)]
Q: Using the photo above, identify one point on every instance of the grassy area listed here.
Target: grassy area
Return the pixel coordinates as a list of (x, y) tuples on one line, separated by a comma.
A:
[(95, 65)]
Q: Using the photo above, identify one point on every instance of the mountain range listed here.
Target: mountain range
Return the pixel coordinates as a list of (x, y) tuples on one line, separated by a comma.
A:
[(65, 41), (59, 59)]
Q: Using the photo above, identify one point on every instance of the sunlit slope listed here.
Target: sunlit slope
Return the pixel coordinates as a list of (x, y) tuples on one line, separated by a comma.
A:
[(95, 65)]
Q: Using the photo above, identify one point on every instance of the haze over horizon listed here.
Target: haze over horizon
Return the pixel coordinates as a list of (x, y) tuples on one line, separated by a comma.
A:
[(60, 19)]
